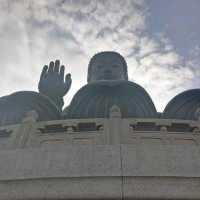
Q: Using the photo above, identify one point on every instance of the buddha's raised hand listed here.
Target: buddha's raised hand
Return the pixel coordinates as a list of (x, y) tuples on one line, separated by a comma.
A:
[(52, 82)]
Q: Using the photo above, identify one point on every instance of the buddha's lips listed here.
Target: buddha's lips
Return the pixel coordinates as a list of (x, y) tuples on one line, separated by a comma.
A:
[(108, 83), (108, 75)]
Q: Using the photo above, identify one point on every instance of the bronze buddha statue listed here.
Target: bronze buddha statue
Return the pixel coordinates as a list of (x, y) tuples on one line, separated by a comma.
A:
[(107, 86)]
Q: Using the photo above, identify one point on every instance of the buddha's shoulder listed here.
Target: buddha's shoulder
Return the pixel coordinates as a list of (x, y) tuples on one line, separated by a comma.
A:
[(110, 85), (95, 99)]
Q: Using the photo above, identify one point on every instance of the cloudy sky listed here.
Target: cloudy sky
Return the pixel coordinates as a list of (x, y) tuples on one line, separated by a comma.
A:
[(159, 39)]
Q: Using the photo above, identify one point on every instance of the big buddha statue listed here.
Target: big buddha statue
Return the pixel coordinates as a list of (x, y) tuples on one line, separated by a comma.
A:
[(108, 86)]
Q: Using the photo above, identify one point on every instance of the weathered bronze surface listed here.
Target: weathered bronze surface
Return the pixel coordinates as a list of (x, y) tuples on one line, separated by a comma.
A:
[(108, 86)]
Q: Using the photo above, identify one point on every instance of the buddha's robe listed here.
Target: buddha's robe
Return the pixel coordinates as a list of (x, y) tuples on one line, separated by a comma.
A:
[(94, 100)]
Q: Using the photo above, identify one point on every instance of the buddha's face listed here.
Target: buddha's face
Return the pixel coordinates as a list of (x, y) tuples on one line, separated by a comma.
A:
[(107, 67)]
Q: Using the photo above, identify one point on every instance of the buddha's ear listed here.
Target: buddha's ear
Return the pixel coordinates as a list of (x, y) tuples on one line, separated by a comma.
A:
[(126, 76), (88, 77)]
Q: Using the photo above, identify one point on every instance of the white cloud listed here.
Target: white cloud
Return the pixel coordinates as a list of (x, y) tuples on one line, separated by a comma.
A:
[(161, 71), (35, 32)]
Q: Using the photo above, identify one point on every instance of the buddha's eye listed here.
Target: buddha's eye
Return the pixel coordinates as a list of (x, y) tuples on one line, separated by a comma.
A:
[(115, 66), (99, 66)]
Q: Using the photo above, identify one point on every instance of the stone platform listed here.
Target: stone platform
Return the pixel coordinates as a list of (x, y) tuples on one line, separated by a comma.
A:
[(100, 159), (101, 172)]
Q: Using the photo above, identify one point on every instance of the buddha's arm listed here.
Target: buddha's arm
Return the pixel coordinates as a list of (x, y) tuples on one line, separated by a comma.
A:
[(52, 82)]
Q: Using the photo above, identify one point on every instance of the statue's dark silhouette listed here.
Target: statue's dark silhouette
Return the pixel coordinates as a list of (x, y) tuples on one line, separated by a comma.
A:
[(107, 86)]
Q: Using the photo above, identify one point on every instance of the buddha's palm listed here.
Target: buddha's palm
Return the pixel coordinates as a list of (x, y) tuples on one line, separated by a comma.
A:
[(52, 82)]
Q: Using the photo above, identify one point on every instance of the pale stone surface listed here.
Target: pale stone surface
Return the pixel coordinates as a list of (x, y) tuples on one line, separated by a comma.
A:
[(106, 132), (61, 172), (129, 163), (60, 161), (101, 172), (62, 188), (161, 188), (161, 160)]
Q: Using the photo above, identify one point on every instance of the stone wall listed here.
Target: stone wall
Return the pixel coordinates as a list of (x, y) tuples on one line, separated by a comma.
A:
[(101, 172), (100, 159)]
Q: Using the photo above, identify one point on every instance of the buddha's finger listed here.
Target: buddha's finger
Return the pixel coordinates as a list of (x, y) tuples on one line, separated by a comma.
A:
[(57, 65), (51, 66), (44, 72), (68, 80), (62, 72)]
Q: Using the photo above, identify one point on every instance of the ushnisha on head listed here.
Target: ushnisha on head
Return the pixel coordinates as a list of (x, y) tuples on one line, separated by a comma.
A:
[(107, 65)]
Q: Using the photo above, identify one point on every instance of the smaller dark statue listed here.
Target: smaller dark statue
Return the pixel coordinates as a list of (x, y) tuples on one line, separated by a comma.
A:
[(107, 86), (185, 105)]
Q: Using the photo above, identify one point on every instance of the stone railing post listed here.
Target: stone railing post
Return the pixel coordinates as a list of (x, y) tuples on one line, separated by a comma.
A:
[(115, 125), (25, 129)]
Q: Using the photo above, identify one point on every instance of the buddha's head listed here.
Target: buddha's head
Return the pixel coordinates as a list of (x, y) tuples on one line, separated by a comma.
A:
[(107, 65)]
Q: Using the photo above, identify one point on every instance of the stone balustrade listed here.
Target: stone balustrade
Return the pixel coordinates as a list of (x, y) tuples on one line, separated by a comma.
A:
[(110, 158), (99, 131)]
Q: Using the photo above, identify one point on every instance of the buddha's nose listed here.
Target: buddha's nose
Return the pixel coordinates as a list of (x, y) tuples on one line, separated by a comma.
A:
[(107, 71)]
